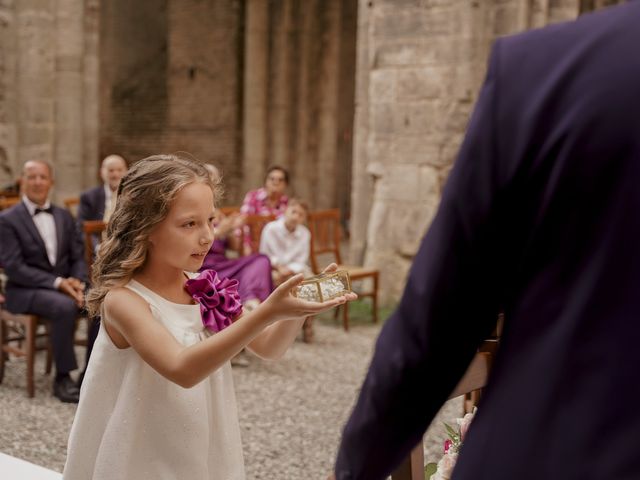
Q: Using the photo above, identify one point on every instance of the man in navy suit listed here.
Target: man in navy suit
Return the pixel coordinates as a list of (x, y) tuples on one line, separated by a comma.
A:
[(97, 203), (540, 218), (43, 258)]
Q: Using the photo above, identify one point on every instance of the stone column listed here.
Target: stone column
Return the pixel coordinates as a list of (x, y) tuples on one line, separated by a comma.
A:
[(362, 182), (91, 89), (327, 95), (35, 92), (9, 165), (281, 66), (256, 57), (69, 88)]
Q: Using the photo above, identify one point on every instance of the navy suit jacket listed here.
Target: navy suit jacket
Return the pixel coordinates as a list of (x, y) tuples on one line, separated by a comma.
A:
[(24, 257), (540, 218), (92, 203)]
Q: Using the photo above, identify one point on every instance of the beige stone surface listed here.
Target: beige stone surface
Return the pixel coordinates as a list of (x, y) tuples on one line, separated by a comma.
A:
[(420, 66)]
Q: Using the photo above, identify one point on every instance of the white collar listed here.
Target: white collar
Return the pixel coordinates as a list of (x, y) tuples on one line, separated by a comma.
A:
[(296, 233), (31, 207), (107, 192)]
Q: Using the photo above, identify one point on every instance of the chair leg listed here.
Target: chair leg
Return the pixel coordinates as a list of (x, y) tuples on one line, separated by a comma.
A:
[(345, 317), (31, 326), (2, 352), (47, 368), (375, 298)]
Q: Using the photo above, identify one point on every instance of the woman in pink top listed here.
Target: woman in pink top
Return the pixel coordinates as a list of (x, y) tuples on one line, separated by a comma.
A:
[(267, 200)]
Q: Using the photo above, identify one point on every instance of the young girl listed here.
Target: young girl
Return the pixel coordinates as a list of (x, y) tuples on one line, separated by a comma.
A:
[(157, 400)]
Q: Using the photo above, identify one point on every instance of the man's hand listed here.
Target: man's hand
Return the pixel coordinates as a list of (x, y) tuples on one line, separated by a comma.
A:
[(74, 288)]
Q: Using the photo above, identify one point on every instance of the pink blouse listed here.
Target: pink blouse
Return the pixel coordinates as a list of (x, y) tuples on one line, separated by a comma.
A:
[(255, 203)]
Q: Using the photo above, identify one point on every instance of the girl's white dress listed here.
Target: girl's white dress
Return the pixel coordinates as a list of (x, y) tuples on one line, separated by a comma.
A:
[(133, 424)]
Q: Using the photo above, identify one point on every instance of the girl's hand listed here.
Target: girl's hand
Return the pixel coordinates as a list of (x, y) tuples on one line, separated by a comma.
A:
[(282, 305)]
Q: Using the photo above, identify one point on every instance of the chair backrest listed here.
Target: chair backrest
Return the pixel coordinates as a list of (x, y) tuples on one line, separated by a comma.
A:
[(475, 378), (91, 229), (255, 224), (72, 205), (6, 202), (324, 226), (226, 211)]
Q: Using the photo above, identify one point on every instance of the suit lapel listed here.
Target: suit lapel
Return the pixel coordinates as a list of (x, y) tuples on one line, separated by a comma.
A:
[(31, 227)]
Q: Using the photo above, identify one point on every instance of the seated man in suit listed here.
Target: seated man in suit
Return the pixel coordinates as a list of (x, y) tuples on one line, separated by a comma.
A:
[(97, 203), (43, 258)]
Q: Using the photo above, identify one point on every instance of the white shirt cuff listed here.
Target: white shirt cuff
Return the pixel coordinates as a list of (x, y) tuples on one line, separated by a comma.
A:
[(57, 282)]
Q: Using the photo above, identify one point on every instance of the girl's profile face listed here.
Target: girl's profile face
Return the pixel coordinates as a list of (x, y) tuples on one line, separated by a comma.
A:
[(184, 237)]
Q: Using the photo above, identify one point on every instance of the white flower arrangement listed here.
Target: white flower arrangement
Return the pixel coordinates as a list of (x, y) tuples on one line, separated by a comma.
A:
[(444, 468)]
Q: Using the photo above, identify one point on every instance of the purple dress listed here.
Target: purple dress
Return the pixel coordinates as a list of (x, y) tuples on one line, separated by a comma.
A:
[(253, 272)]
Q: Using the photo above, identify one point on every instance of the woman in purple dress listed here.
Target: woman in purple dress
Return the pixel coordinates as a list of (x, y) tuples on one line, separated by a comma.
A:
[(253, 272)]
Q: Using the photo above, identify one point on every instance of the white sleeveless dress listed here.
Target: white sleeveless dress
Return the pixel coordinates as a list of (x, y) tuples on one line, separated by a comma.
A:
[(133, 424)]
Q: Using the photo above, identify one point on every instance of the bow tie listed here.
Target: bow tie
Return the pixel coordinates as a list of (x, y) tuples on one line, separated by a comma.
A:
[(40, 210)]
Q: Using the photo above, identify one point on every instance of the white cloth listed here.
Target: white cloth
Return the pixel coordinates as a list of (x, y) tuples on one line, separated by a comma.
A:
[(285, 248), (132, 423), (109, 203), (46, 225)]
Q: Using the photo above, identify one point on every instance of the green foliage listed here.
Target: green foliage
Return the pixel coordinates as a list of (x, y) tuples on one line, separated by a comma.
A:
[(359, 314), (429, 470)]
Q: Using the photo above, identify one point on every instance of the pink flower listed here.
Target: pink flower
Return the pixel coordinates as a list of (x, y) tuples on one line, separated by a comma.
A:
[(219, 299), (447, 445)]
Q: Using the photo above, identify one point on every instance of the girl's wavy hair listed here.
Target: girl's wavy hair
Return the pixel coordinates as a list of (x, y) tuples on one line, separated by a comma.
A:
[(144, 197)]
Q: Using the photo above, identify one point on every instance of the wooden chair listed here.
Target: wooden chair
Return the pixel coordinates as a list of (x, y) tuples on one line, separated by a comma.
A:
[(324, 226), (7, 202), (226, 211), (18, 335), (72, 205), (91, 229), (255, 224), (412, 468)]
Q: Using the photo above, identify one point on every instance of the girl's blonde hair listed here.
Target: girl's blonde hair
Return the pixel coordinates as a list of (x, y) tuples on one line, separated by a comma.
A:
[(144, 197)]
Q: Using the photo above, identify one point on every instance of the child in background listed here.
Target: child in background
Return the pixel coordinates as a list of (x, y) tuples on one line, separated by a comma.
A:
[(286, 242), (157, 400)]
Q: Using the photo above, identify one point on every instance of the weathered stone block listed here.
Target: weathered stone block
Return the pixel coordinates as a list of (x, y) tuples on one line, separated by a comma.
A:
[(416, 118), (36, 135), (382, 85), (382, 121), (417, 150), (413, 53), (421, 84), (398, 23)]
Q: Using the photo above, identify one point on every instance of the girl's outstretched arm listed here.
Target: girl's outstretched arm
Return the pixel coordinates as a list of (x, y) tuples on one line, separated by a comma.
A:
[(274, 340), (129, 323)]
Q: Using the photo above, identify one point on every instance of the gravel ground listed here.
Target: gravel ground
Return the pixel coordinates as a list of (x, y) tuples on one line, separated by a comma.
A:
[(291, 411)]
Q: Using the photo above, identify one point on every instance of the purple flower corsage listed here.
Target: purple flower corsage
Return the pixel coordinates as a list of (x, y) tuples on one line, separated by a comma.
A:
[(219, 299)]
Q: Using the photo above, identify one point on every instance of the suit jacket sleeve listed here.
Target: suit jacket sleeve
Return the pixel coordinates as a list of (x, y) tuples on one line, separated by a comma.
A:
[(13, 260), (84, 209), (77, 265), (449, 306)]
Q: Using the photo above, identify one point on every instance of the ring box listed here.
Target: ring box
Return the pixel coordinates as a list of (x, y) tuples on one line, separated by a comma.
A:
[(325, 286)]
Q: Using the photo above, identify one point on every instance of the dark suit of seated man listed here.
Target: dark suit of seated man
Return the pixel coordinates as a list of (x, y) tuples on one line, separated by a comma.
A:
[(43, 257), (97, 204)]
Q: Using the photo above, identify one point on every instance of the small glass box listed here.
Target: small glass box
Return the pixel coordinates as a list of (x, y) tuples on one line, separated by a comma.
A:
[(325, 286)]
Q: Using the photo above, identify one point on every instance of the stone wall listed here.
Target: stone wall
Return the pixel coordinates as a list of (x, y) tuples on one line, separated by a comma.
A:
[(299, 94), (420, 65), (48, 53), (241, 84)]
